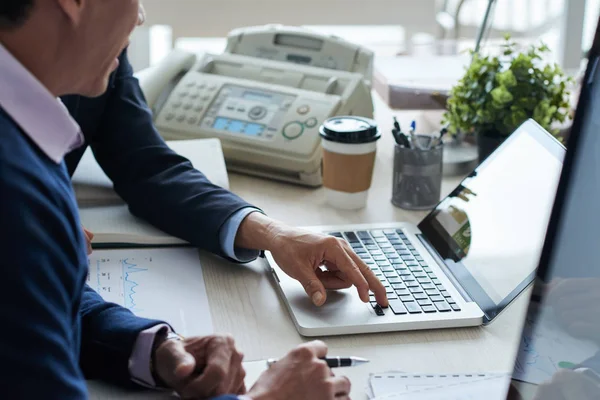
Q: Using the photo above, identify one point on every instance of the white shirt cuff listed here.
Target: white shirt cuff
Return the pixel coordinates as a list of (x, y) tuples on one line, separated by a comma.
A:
[(141, 356), (228, 233)]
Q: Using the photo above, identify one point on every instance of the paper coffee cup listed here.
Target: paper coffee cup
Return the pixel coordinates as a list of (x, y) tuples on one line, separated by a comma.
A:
[(349, 148)]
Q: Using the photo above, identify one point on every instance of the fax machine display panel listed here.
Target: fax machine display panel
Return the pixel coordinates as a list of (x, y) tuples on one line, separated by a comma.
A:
[(490, 230), (248, 111)]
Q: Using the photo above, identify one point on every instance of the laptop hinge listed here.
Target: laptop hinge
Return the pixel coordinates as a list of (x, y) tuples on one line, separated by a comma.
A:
[(433, 252)]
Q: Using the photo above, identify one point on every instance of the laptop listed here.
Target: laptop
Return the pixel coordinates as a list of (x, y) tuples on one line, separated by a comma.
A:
[(462, 264), (562, 327)]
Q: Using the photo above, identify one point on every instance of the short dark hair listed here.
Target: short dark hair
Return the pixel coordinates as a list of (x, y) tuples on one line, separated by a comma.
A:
[(14, 12)]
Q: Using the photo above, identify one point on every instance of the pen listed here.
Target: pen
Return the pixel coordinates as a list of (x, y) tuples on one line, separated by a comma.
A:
[(443, 132), (399, 137), (413, 128), (397, 125), (334, 362)]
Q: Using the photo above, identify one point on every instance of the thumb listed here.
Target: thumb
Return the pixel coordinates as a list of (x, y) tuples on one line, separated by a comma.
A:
[(314, 288), (174, 363), (89, 235)]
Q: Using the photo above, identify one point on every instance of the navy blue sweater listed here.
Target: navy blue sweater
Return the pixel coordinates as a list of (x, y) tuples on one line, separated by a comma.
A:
[(54, 329)]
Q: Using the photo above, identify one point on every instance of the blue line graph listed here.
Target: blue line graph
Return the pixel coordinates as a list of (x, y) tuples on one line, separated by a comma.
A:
[(129, 285)]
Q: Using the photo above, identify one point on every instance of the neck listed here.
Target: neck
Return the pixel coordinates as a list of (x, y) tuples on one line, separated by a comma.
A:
[(36, 47)]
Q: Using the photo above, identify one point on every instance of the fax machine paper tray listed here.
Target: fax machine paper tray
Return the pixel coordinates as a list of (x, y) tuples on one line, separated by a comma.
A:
[(274, 72), (312, 179)]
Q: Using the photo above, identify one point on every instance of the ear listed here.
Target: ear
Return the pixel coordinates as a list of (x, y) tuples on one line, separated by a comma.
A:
[(73, 9)]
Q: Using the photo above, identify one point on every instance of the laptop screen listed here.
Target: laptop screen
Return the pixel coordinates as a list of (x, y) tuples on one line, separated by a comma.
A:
[(490, 230), (560, 343)]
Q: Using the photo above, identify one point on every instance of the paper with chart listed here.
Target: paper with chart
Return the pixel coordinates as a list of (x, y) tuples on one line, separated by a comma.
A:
[(401, 382), (492, 387), (546, 348), (161, 283)]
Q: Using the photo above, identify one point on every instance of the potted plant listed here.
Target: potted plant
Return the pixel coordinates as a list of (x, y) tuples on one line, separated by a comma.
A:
[(498, 93)]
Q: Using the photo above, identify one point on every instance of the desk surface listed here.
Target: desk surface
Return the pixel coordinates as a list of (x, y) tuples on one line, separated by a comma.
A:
[(244, 302)]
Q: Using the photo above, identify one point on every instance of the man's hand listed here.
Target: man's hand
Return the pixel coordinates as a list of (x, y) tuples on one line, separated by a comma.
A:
[(301, 375), (568, 385), (88, 239), (200, 367), (301, 254)]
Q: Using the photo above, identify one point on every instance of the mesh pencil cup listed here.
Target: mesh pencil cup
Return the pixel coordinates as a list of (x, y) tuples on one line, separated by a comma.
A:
[(417, 177)]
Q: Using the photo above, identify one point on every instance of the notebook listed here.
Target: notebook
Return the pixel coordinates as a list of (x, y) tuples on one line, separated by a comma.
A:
[(105, 214)]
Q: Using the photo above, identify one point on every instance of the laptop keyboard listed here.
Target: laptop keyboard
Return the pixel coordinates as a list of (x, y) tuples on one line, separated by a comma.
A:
[(412, 287)]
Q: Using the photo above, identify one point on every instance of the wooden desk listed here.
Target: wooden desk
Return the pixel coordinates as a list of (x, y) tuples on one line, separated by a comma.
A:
[(244, 302)]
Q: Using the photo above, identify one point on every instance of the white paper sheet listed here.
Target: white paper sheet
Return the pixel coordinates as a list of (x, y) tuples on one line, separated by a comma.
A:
[(493, 387), (160, 283), (103, 391), (402, 382)]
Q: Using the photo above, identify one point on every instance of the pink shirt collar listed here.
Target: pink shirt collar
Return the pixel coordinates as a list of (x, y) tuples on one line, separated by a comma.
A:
[(44, 118)]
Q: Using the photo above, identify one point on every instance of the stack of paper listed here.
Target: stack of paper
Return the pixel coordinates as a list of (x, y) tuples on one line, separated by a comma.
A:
[(400, 386)]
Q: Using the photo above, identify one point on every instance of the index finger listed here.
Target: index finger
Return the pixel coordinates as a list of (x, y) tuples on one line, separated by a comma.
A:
[(374, 283), (317, 347), (344, 262)]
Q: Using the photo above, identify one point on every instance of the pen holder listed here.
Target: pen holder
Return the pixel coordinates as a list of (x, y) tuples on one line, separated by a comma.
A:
[(417, 177)]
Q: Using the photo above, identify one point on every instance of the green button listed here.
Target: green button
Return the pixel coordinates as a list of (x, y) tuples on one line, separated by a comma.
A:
[(293, 130)]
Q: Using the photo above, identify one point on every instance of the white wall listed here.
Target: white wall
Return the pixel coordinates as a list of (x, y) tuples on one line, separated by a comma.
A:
[(214, 18)]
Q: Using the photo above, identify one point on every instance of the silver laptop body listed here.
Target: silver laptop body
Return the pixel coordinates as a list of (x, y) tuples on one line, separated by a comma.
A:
[(462, 265)]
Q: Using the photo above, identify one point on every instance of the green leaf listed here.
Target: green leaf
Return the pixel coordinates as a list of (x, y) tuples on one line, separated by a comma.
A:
[(501, 95), (507, 78)]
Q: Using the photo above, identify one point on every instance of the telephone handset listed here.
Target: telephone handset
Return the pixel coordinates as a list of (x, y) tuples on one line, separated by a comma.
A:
[(266, 113)]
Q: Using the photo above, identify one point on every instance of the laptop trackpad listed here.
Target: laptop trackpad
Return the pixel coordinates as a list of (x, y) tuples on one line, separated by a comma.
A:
[(343, 307)]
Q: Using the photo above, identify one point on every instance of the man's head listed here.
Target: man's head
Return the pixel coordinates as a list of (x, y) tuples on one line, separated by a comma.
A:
[(72, 46)]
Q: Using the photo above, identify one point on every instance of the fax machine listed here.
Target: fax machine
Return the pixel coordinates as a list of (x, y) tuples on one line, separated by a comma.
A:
[(265, 105)]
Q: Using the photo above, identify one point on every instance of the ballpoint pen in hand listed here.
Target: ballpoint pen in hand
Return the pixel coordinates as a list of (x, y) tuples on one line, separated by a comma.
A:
[(334, 362)]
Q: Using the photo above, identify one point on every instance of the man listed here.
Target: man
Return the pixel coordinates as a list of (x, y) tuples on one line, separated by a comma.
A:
[(55, 329), (119, 128)]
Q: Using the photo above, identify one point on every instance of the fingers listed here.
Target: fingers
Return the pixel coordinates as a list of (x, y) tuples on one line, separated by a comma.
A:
[(312, 286), (216, 378), (333, 280), (176, 364), (374, 284), (341, 386), (237, 373), (338, 254), (242, 389), (88, 239), (317, 348)]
